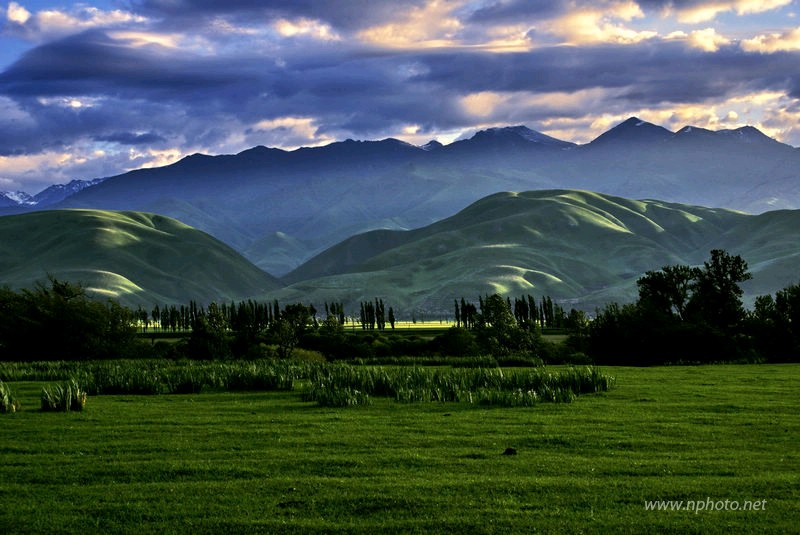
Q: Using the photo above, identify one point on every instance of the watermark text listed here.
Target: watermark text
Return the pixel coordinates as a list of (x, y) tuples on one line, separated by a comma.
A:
[(708, 504)]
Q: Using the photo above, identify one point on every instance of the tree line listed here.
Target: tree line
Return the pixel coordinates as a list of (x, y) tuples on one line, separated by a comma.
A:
[(682, 314), (695, 314), (59, 320)]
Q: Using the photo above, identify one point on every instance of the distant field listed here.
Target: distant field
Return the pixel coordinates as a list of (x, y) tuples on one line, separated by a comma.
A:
[(268, 462)]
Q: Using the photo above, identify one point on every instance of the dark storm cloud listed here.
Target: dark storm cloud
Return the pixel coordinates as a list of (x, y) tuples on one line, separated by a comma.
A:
[(58, 125), (154, 90), (92, 63), (654, 72)]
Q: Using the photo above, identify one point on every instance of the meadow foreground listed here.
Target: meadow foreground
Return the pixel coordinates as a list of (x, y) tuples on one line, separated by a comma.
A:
[(267, 462)]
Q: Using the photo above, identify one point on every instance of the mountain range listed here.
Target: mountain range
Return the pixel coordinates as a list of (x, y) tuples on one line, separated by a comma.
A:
[(20, 201), (419, 226), (280, 208)]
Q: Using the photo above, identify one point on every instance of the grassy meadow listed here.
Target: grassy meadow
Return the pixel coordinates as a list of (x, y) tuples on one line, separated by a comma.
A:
[(270, 462)]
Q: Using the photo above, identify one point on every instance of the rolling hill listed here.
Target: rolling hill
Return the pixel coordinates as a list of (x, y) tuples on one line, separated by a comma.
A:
[(280, 208), (582, 248), (135, 258)]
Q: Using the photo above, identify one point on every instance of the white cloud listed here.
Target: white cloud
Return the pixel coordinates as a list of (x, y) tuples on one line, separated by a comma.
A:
[(707, 39), (306, 28), (72, 102), (139, 39), (17, 14)]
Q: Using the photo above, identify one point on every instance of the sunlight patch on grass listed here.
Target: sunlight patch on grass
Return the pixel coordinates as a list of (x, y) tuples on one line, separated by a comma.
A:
[(115, 237), (501, 246), (111, 284)]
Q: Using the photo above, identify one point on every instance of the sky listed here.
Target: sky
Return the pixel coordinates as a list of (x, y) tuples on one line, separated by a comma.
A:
[(97, 88)]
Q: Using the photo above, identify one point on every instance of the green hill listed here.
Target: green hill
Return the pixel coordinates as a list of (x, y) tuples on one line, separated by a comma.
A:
[(134, 257), (582, 248)]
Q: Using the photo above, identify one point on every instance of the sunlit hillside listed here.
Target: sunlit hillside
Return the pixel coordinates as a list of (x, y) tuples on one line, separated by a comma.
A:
[(579, 247), (134, 257)]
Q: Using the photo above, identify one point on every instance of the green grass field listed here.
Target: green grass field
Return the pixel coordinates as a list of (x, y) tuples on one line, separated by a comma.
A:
[(268, 462)]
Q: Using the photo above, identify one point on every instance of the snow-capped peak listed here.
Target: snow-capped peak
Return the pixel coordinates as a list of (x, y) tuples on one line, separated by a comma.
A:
[(18, 197)]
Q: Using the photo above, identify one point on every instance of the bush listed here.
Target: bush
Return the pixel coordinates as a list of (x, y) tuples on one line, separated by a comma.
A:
[(307, 355), (59, 320), (63, 397), (457, 342)]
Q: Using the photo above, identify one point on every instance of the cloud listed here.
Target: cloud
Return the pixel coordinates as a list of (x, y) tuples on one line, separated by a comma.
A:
[(708, 40), (17, 14), (306, 27), (700, 11), (288, 133), (53, 23), (590, 25), (342, 15), (774, 42), (164, 78), (431, 25), (132, 138)]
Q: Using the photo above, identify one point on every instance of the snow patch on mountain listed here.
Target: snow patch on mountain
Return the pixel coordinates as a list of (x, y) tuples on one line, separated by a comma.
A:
[(18, 197), (48, 196)]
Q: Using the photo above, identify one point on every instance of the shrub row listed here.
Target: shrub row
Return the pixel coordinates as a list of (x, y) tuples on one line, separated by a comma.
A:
[(149, 377), (336, 385), (344, 385)]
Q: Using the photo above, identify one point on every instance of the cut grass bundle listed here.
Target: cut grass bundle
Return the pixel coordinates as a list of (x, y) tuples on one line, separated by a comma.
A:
[(7, 401), (63, 397)]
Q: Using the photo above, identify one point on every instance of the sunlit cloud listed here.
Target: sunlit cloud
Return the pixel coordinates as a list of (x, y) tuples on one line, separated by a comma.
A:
[(774, 42), (515, 106), (156, 158), (21, 171), (289, 132), (306, 28), (707, 39), (587, 25), (72, 102), (482, 104), (431, 26), (139, 39), (17, 14), (53, 23)]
